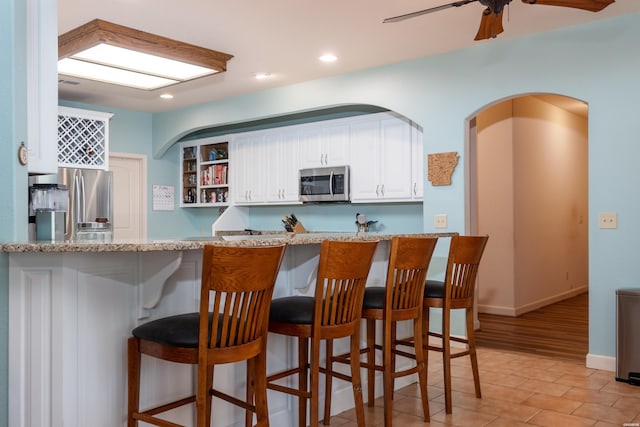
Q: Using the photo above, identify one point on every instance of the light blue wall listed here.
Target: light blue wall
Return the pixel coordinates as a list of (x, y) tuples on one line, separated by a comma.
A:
[(13, 129), (597, 63), (392, 218)]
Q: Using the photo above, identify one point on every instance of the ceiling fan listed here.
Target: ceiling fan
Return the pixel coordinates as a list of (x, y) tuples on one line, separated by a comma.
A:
[(491, 21)]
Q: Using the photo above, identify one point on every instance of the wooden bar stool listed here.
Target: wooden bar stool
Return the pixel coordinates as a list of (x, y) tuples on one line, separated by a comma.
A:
[(456, 292), (400, 299), (334, 312), (238, 282)]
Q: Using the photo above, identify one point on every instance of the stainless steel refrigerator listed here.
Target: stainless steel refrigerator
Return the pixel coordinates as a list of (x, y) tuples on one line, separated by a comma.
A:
[(90, 199)]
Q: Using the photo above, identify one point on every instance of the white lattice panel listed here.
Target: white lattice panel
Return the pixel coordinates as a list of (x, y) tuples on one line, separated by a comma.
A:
[(83, 138)]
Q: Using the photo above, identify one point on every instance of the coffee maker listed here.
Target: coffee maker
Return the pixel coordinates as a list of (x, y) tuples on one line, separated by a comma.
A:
[(48, 206)]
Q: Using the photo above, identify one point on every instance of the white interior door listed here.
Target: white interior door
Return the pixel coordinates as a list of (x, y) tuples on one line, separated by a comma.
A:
[(129, 195)]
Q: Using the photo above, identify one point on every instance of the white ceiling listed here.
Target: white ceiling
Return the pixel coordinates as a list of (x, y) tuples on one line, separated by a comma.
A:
[(285, 38)]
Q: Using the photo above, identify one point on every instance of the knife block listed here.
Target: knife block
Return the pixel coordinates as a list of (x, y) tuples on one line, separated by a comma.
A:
[(298, 229)]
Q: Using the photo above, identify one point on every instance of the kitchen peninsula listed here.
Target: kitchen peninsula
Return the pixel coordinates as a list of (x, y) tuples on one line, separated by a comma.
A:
[(73, 305)]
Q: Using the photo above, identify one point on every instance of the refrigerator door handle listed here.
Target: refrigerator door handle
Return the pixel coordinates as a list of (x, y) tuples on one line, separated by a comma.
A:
[(80, 198)]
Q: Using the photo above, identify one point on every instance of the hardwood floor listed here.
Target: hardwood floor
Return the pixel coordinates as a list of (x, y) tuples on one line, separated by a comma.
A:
[(558, 330)]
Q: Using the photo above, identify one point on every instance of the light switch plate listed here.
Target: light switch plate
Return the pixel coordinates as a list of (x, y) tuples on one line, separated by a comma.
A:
[(608, 220), (440, 221)]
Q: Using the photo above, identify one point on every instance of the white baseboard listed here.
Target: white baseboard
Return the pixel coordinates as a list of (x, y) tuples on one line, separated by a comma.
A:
[(517, 311), (605, 363)]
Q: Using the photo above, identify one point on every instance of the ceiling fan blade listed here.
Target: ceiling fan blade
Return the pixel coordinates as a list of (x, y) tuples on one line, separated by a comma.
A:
[(425, 11), (490, 25), (591, 5)]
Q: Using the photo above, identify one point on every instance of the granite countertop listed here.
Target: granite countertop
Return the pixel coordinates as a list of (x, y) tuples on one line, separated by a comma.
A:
[(199, 242)]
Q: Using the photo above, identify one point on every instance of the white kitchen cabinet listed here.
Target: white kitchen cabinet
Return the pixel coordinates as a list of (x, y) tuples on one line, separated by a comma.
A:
[(204, 167), (42, 90), (282, 156), (83, 138), (381, 159), (324, 144), (250, 168), (384, 152), (417, 163)]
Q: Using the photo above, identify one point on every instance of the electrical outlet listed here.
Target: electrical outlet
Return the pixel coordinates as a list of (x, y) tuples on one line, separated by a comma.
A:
[(608, 220), (440, 221)]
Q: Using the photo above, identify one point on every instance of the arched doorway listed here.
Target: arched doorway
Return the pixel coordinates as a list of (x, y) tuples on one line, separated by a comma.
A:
[(528, 189)]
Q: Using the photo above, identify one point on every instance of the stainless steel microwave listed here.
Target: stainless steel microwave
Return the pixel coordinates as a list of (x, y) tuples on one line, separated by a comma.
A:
[(325, 184)]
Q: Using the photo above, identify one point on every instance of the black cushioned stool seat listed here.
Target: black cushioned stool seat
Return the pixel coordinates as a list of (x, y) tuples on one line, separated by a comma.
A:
[(434, 289), (177, 331), (297, 310), (373, 297)]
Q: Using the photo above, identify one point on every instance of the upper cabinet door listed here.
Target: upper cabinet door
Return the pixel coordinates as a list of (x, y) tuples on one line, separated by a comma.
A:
[(281, 160), (42, 89), (335, 140), (324, 145), (395, 159), (417, 163), (249, 168), (381, 159), (365, 160)]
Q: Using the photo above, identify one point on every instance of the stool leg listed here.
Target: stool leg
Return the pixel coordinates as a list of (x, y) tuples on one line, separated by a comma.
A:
[(371, 360), (425, 335), (328, 382), (250, 396), (422, 369), (388, 369), (394, 338), (314, 385), (355, 376), (203, 398), (260, 391), (472, 351), (303, 363), (133, 379), (446, 358)]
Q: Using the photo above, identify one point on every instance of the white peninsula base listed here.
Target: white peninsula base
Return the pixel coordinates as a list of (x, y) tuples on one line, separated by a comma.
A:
[(72, 312)]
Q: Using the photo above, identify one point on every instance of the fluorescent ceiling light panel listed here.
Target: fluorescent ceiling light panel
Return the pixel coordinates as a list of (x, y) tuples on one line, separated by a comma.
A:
[(101, 73), (111, 53), (127, 59)]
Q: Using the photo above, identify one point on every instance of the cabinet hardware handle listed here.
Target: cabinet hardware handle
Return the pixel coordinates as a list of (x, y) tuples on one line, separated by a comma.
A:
[(378, 190), (415, 184), (382, 190)]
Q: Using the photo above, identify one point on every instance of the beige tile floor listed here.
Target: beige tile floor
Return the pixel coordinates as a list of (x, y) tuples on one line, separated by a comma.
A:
[(518, 389)]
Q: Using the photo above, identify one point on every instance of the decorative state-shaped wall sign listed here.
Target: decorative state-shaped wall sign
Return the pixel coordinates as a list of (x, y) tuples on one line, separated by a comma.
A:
[(441, 166)]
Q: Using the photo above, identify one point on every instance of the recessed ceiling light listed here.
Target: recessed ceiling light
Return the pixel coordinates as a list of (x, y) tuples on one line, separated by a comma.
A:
[(328, 57), (261, 75), (166, 96)]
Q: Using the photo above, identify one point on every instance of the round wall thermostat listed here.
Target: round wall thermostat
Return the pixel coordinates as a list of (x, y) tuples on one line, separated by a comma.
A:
[(23, 154)]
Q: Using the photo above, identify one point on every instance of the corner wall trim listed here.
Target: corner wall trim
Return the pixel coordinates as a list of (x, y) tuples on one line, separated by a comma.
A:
[(517, 311), (605, 363)]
